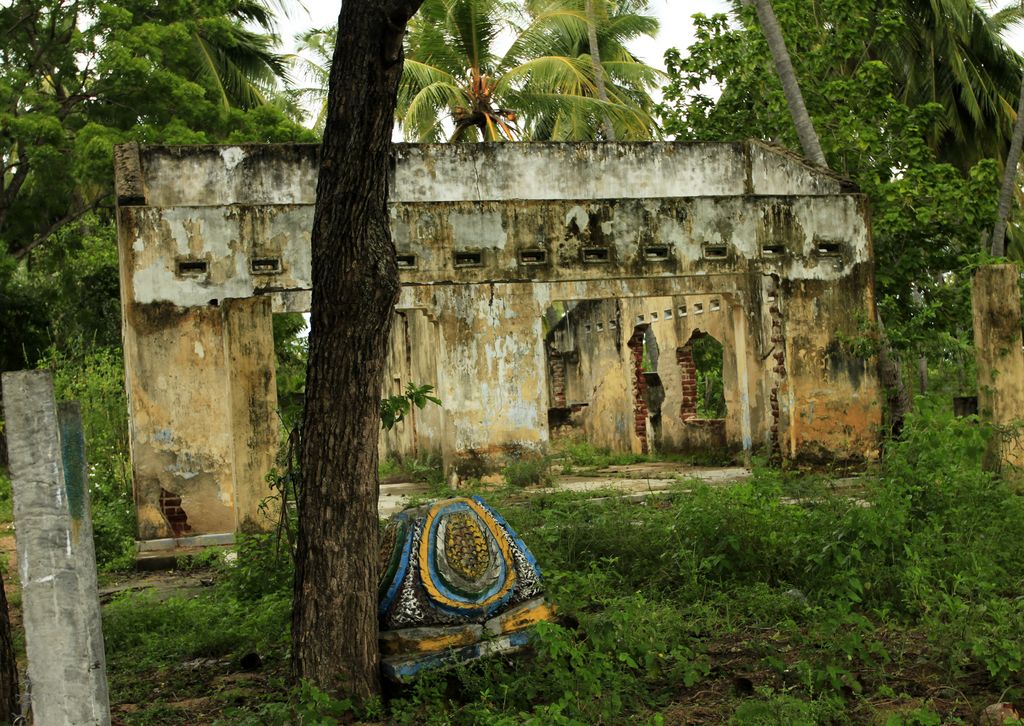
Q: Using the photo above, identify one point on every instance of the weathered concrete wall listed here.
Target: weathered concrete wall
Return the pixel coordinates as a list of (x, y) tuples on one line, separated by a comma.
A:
[(412, 358), (995, 300), (483, 251), (604, 376)]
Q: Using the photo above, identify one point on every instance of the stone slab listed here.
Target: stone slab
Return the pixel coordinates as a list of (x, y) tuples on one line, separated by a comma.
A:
[(404, 669), (417, 641)]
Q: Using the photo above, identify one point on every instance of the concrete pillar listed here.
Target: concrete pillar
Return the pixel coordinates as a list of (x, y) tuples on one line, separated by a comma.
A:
[(995, 300), (56, 561)]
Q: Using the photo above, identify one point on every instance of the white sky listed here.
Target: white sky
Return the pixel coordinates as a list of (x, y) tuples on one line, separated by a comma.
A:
[(676, 28)]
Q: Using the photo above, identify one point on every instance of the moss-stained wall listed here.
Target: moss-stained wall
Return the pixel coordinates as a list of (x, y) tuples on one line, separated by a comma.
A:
[(487, 238), (995, 300)]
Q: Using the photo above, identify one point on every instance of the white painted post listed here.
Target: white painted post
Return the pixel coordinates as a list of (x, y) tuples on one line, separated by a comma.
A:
[(56, 560)]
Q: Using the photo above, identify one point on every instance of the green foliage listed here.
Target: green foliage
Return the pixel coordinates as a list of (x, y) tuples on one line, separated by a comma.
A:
[(708, 359), (455, 70), (142, 632), (528, 472), (833, 604), (928, 217), (291, 349), (6, 498), (580, 453), (426, 468), (395, 408), (77, 78), (780, 709), (262, 566), (96, 380)]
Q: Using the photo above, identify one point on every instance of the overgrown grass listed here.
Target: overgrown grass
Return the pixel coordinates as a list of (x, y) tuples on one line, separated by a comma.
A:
[(6, 499), (705, 605), (426, 469)]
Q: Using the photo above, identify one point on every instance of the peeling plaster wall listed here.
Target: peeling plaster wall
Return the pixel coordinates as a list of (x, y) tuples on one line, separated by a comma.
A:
[(207, 235), (412, 358)]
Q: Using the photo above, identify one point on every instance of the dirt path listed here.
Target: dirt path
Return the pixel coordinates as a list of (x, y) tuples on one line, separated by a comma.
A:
[(9, 559)]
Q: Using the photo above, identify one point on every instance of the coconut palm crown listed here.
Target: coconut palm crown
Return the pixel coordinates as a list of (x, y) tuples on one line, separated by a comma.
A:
[(458, 84)]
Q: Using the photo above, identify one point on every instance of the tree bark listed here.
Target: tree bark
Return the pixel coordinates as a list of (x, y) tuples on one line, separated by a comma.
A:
[(790, 87), (595, 59), (998, 245), (8, 665), (355, 285)]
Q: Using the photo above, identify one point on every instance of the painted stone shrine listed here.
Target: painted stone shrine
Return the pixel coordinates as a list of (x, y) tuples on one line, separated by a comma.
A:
[(457, 583)]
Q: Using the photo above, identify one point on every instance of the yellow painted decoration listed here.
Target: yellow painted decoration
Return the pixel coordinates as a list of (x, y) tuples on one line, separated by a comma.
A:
[(397, 643), (525, 619), (424, 556)]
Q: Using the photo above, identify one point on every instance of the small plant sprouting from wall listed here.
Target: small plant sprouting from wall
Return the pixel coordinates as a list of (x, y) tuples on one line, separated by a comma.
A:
[(394, 409)]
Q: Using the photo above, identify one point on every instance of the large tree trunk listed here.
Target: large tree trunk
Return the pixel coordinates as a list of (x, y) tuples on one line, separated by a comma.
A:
[(355, 284), (998, 245), (8, 665), (595, 60), (784, 67)]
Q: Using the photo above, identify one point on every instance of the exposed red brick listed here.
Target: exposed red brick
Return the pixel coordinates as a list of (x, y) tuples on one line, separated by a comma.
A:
[(170, 506)]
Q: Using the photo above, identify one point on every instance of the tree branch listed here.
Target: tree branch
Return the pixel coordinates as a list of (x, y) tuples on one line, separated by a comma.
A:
[(49, 231)]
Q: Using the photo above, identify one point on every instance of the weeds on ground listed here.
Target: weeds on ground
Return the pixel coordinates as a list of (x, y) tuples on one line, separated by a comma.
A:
[(528, 472), (900, 607), (427, 469)]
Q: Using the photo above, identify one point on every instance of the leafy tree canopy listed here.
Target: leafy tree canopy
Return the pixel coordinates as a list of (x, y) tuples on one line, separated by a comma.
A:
[(928, 217), (77, 77)]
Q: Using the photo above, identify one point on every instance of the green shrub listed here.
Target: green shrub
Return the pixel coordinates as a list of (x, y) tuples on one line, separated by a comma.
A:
[(262, 566), (528, 472)]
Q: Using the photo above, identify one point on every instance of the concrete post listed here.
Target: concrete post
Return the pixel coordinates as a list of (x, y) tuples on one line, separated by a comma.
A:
[(995, 300), (56, 561)]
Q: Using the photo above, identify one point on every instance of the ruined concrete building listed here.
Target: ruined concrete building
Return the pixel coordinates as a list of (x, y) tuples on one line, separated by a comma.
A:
[(576, 282)]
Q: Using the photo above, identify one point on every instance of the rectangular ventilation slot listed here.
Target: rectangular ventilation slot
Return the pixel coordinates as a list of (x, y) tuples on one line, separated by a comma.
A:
[(773, 250), (587, 327), (639, 318), (656, 253), (682, 311), (595, 254), (469, 259), (612, 325), (654, 315), (265, 265), (600, 327), (715, 252), (406, 262), (668, 314), (715, 306), (698, 308), (829, 248), (533, 257), (192, 267)]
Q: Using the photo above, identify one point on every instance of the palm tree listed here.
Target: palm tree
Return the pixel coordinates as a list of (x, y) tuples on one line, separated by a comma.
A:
[(237, 63), (620, 78), (889, 369), (456, 78), (951, 52), (1009, 185), (790, 87), (313, 62)]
